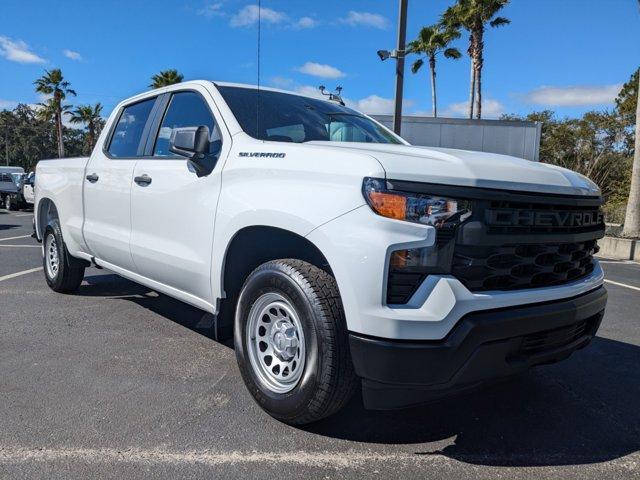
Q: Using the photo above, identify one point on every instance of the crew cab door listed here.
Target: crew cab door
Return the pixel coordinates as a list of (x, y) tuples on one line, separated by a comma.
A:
[(172, 209), (107, 184)]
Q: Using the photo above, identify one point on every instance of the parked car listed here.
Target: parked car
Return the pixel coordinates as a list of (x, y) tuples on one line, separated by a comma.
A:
[(10, 187), (412, 272), (28, 188)]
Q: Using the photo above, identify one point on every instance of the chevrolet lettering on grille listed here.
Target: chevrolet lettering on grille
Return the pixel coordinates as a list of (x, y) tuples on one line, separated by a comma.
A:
[(543, 218)]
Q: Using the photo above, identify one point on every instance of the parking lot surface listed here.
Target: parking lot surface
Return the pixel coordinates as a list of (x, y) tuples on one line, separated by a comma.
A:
[(117, 381)]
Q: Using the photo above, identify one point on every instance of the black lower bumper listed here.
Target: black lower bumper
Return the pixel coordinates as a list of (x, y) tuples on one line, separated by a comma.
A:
[(483, 346)]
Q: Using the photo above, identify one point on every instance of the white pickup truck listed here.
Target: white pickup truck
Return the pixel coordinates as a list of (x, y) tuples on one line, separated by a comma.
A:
[(335, 253)]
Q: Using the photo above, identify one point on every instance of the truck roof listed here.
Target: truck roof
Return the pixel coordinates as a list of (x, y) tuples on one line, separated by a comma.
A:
[(268, 89)]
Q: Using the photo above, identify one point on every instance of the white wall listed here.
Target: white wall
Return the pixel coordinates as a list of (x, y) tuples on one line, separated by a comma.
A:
[(519, 139)]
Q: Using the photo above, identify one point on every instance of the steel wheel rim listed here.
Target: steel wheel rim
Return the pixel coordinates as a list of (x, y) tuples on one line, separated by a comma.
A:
[(52, 260), (275, 341)]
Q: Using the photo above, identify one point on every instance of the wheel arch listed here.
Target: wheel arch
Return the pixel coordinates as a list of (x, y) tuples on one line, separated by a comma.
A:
[(46, 212), (249, 248)]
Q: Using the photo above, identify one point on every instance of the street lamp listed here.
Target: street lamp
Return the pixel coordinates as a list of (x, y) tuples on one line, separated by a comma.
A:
[(384, 54), (398, 54)]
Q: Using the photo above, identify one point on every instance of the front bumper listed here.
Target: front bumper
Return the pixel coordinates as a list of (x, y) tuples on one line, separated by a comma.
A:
[(358, 246), (483, 346)]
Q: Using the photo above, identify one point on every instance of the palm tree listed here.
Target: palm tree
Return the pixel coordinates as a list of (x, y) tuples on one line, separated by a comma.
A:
[(165, 78), (91, 117), (431, 41), (632, 216), (473, 16), (53, 83)]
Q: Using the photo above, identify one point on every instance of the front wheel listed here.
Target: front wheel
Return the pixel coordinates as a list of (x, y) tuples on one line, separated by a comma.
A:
[(61, 276), (291, 342)]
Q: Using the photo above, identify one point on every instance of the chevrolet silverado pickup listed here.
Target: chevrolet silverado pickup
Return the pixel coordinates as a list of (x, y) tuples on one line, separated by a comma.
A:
[(334, 253)]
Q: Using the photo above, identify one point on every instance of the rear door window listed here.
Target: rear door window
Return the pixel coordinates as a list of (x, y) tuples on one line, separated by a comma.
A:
[(125, 141)]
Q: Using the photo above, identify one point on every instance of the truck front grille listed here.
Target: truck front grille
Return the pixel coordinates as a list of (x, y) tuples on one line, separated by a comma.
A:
[(510, 267), (511, 241)]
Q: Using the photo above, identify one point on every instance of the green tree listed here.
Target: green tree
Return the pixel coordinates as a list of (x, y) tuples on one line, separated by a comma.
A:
[(166, 78), (26, 137), (430, 42), (474, 16), (594, 145), (91, 118), (53, 83)]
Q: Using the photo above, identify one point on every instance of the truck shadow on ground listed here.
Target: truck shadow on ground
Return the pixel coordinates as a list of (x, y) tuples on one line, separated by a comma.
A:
[(4, 226), (581, 411), (112, 285), (584, 410)]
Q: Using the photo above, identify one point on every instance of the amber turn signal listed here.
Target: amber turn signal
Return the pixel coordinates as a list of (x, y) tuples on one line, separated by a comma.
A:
[(389, 204)]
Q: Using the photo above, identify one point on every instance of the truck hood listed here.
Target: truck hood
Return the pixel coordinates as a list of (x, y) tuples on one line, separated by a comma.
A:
[(473, 169)]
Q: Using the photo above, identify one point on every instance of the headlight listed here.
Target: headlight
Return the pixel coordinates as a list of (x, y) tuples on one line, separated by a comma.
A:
[(430, 210)]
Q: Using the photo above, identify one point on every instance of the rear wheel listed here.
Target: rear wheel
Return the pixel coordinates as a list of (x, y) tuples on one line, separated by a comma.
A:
[(61, 276), (291, 341)]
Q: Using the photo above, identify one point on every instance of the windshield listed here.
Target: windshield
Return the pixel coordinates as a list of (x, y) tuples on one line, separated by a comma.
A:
[(284, 117)]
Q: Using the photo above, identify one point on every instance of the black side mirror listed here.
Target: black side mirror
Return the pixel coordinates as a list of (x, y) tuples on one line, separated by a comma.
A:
[(193, 143)]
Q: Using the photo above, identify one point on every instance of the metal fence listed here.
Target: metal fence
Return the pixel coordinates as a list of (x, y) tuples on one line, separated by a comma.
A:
[(516, 138)]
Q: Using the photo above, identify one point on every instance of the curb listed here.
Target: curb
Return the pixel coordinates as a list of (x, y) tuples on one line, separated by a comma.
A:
[(619, 248)]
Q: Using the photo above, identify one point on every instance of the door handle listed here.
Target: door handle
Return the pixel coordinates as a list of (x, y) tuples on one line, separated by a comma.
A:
[(93, 178), (144, 180)]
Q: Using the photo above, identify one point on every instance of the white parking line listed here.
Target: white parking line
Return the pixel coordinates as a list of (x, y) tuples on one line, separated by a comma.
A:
[(18, 274), (13, 238), (22, 246), (622, 285), (150, 457), (25, 215), (345, 459), (619, 262)]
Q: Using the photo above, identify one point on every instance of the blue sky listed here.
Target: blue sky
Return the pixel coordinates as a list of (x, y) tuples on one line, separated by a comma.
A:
[(565, 55)]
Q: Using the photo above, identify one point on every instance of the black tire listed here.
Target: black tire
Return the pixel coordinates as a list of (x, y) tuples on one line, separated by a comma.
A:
[(328, 379), (68, 277)]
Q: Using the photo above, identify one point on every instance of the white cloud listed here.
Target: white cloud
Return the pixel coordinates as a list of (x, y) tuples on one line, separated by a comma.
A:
[(310, 91), (573, 96), (66, 121), (366, 19), (376, 105), (490, 109), (305, 22), (7, 104), (281, 82), (249, 15), (18, 51), (72, 55), (211, 10), (372, 105), (320, 70)]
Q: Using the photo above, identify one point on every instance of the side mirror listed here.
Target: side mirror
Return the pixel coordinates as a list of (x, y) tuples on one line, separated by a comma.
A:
[(193, 143)]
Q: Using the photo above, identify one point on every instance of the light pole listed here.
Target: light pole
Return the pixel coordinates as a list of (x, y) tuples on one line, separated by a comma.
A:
[(398, 54), (402, 36)]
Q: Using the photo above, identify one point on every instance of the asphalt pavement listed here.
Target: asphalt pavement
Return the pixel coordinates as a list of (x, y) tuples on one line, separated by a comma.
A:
[(117, 381)]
